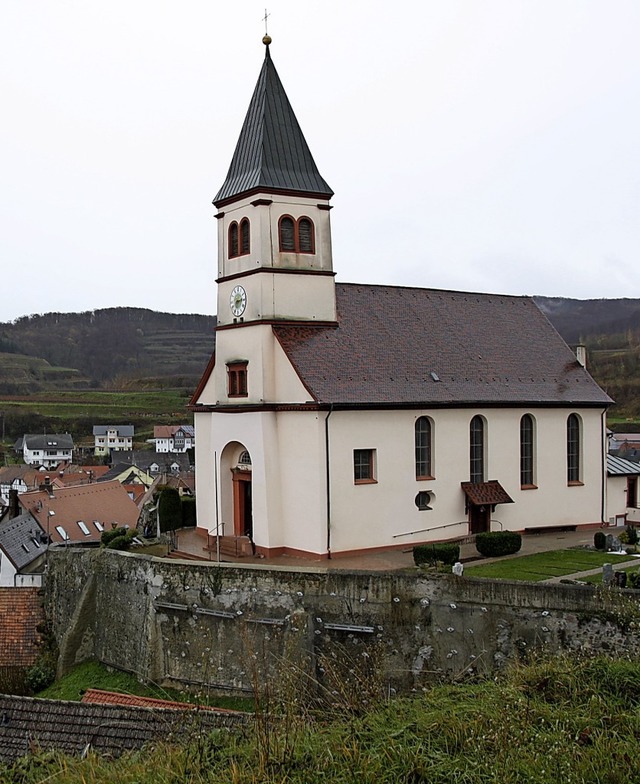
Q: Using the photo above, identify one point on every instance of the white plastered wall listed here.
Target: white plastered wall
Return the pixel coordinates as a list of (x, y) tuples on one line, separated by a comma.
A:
[(384, 513), (617, 499)]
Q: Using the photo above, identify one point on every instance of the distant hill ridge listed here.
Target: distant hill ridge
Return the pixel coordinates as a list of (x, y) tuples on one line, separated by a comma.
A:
[(125, 348), (110, 347)]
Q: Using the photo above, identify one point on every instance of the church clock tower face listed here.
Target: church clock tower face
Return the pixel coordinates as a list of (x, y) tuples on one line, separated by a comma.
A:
[(238, 301)]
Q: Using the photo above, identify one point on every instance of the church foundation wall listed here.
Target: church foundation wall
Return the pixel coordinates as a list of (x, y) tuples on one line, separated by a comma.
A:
[(222, 625)]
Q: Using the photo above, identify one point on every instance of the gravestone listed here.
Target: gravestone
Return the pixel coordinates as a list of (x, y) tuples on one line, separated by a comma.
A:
[(607, 574)]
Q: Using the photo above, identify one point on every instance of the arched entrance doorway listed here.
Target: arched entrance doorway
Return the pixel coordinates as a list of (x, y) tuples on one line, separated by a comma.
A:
[(242, 497)]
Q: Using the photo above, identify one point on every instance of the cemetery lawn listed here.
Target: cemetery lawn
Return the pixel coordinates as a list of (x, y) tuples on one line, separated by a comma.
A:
[(541, 566)]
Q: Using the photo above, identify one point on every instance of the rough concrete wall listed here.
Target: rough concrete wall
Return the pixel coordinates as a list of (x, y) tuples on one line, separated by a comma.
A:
[(226, 625)]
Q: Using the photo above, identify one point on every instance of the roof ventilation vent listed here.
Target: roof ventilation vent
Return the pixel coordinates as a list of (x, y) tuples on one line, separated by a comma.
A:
[(434, 375)]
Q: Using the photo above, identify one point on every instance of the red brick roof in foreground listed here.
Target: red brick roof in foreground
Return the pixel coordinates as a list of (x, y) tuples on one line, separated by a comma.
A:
[(21, 614), (403, 346), (106, 502), (98, 696)]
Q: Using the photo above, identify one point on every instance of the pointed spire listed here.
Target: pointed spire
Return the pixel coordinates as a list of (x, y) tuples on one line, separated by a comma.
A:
[(271, 153)]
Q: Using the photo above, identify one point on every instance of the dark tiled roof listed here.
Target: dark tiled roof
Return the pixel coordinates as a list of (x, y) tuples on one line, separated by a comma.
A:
[(399, 345), (39, 441), (489, 493), (21, 614), (271, 153), (28, 724), (122, 430), (18, 539)]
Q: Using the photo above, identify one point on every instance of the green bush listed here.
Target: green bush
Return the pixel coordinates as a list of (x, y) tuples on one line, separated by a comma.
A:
[(632, 533), (118, 538), (188, 512), (599, 540), (445, 552), (170, 510), (496, 543)]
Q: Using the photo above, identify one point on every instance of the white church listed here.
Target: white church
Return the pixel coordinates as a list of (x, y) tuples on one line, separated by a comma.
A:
[(336, 418)]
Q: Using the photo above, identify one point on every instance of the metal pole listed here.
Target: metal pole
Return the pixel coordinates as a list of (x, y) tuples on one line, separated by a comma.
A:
[(215, 484)]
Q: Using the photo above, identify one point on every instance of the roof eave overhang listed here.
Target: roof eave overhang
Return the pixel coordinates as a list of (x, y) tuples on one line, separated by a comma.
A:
[(226, 200)]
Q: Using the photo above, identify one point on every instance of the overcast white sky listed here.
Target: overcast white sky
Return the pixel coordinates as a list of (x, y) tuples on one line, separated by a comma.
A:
[(487, 145)]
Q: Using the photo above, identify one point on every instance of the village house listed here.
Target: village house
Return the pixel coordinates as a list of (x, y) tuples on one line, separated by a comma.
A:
[(112, 438), (79, 514), (47, 451), (173, 438), (20, 478), (336, 418)]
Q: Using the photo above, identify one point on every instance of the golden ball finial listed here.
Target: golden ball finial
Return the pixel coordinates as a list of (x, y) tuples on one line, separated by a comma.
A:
[(266, 40)]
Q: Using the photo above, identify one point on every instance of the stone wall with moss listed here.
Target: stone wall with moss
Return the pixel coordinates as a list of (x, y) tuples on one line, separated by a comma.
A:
[(227, 626)]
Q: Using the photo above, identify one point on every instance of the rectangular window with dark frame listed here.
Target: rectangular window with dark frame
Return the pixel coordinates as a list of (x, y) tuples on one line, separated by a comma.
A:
[(364, 466), (573, 450), (632, 492), (476, 449), (237, 379), (527, 473)]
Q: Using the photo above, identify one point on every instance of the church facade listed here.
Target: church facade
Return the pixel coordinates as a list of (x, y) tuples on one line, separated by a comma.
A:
[(335, 418)]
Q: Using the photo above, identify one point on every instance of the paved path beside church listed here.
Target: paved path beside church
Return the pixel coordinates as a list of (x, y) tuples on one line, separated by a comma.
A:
[(392, 560)]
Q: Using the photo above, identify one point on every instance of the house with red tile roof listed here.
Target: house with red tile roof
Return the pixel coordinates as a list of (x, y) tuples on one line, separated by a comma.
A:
[(79, 514), (340, 417), (21, 615), (173, 438)]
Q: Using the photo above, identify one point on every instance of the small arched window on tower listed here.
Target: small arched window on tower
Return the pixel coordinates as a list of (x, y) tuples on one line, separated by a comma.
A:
[(296, 236), (239, 239), (245, 245)]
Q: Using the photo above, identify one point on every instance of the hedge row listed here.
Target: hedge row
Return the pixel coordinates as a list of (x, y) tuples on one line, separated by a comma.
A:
[(496, 543), (445, 552)]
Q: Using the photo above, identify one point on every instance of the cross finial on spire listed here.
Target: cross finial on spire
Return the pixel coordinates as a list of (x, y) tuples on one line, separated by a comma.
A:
[(266, 40)]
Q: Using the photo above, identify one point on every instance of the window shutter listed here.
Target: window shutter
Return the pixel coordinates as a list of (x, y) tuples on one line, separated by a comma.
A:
[(287, 234)]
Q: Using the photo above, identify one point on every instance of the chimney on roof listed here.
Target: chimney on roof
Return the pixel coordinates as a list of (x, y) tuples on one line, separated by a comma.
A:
[(581, 355), (14, 506), (46, 486)]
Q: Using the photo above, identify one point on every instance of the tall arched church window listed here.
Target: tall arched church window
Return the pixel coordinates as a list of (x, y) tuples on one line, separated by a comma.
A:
[(423, 448), (476, 449), (245, 245), (573, 449), (296, 236), (527, 452)]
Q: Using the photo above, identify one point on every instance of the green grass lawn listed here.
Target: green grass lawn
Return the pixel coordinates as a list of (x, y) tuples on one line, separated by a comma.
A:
[(542, 566), (92, 675)]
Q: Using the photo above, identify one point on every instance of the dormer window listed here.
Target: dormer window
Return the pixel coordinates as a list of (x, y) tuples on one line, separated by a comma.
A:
[(237, 379), (296, 236), (239, 240)]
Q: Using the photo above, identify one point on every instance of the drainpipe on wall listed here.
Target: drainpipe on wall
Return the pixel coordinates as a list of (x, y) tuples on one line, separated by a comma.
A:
[(603, 430), (328, 477)]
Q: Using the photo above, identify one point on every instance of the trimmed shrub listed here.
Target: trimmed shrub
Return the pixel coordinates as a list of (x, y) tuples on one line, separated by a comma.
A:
[(599, 540), (495, 543), (188, 512), (170, 510), (445, 552), (632, 533)]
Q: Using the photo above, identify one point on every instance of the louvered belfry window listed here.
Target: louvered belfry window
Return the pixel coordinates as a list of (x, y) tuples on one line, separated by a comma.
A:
[(244, 236), (305, 235), (233, 240), (296, 236), (239, 238)]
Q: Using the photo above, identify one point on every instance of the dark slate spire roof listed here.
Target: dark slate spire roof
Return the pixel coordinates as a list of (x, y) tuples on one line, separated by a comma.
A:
[(271, 154), (408, 346)]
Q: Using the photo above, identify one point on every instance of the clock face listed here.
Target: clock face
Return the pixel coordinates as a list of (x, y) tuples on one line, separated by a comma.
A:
[(238, 301)]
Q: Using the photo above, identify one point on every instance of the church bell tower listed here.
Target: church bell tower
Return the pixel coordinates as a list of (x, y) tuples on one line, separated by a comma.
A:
[(274, 234)]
